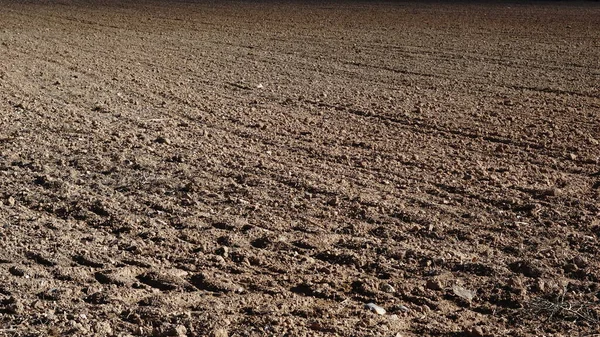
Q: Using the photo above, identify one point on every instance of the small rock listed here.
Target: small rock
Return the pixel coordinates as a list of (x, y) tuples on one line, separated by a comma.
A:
[(179, 330), (162, 140), (463, 293), (476, 331), (375, 308), (550, 192), (103, 329), (515, 282), (386, 287), (333, 201), (223, 251), (540, 285), (218, 259), (11, 201), (424, 309), (580, 261), (220, 333), (435, 285), (402, 308), (529, 268), (594, 141), (167, 330), (572, 156)]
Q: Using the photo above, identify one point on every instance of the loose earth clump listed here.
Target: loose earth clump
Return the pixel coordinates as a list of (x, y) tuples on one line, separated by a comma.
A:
[(269, 169)]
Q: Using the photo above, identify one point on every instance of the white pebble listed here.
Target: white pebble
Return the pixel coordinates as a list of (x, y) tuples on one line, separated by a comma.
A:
[(374, 307)]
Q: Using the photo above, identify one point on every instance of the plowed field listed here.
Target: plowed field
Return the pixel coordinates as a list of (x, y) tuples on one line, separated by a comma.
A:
[(268, 169)]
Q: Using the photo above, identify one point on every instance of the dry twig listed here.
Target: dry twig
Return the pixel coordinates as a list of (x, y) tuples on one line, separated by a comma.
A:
[(565, 309)]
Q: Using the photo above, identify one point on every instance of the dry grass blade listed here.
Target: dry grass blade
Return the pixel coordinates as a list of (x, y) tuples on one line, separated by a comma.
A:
[(565, 310)]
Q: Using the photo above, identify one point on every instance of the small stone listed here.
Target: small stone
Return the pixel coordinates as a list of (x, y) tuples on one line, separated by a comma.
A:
[(515, 282), (375, 308), (435, 285), (594, 141), (386, 287), (103, 329), (424, 309), (220, 333), (572, 156), (333, 201), (550, 192), (11, 201), (223, 251), (540, 285), (162, 140), (218, 259), (179, 331), (580, 261), (402, 308), (475, 332), (463, 293)]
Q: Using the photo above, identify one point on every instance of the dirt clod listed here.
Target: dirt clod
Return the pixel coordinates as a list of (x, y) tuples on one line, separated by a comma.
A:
[(219, 332), (163, 140), (476, 331), (435, 285)]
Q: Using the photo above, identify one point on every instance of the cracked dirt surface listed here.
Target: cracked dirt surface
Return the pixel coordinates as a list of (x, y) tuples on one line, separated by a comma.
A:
[(267, 169)]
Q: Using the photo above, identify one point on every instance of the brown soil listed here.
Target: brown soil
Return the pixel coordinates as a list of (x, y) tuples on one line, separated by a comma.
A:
[(262, 169)]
